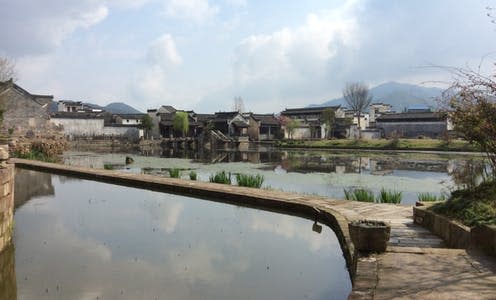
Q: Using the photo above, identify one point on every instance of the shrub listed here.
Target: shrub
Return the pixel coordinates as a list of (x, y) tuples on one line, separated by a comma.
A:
[(471, 207), (193, 175), (429, 197), (389, 196), (359, 194), (174, 173), (221, 177), (248, 180)]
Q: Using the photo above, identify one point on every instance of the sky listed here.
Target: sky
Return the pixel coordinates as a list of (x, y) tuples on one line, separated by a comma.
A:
[(274, 54)]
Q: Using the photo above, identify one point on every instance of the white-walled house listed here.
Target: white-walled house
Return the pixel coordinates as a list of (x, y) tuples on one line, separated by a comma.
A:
[(310, 124), (93, 125)]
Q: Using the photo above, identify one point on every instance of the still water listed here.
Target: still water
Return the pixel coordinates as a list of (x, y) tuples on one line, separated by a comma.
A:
[(325, 173), (78, 239)]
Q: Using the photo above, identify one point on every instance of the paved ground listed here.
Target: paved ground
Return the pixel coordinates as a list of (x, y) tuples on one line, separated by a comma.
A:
[(417, 264)]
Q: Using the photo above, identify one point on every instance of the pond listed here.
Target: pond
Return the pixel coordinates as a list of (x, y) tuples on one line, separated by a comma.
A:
[(78, 239), (325, 173)]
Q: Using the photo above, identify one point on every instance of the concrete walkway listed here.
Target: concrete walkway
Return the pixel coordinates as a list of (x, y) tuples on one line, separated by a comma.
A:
[(416, 265)]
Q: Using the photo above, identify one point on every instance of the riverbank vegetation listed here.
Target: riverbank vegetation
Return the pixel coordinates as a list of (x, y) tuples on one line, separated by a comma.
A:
[(249, 180), (471, 206), (174, 173), (42, 150), (383, 144), (221, 177), (365, 195), (472, 107)]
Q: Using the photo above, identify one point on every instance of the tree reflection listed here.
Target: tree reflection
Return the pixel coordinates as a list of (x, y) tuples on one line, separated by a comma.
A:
[(469, 173)]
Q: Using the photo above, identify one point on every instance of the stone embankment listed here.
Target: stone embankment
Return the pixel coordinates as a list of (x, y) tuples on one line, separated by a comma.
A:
[(6, 205), (416, 265)]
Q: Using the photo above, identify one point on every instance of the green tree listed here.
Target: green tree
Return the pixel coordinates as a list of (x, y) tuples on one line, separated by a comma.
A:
[(147, 124), (328, 118), (181, 122), (356, 95)]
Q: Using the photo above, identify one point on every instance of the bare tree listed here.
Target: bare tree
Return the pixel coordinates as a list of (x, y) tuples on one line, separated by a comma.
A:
[(239, 104), (6, 69), (356, 95)]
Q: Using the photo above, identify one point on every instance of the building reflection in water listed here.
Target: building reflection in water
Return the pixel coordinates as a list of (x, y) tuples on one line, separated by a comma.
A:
[(30, 184)]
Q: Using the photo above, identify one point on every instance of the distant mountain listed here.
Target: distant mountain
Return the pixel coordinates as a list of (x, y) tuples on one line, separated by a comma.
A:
[(120, 108), (399, 95)]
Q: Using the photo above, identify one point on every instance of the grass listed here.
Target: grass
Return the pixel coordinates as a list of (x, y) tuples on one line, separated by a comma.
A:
[(471, 207), (380, 144), (248, 180), (193, 175), (359, 194), (428, 197), (174, 173), (221, 177), (389, 196), (108, 166)]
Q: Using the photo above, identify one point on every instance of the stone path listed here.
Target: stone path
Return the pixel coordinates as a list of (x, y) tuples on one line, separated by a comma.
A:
[(417, 264)]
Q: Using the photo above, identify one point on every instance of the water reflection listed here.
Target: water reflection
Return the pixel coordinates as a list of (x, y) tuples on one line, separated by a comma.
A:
[(326, 173), (29, 184), (90, 240), (8, 285)]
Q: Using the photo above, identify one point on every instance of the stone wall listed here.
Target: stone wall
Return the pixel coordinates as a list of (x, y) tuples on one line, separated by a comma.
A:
[(6, 205), (80, 127), (23, 114), (456, 235)]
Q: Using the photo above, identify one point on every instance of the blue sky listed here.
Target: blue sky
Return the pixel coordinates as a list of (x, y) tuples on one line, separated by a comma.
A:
[(200, 54)]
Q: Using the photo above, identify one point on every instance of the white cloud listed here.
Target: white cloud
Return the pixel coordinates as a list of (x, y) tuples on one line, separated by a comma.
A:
[(45, 24), (291, 63), (162, 52), (241, 3), (195, 10)]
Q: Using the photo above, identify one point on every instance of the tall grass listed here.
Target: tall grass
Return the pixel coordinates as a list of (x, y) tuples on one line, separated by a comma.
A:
[(359, 194), (389, 196), (248, 180), (193, 175), (108, 166), (220, 177), (428, 197), (174, 173)]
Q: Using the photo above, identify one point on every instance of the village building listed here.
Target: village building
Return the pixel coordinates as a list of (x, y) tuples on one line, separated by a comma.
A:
[(24, 113), (377, 109), (76, 106), (231, 124), (269, 127), (128, 119), (309, 122), (93, 125), (413, 124)]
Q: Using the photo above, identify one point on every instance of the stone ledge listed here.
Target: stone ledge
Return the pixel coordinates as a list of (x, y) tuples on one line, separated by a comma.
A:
[(457, 235)]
